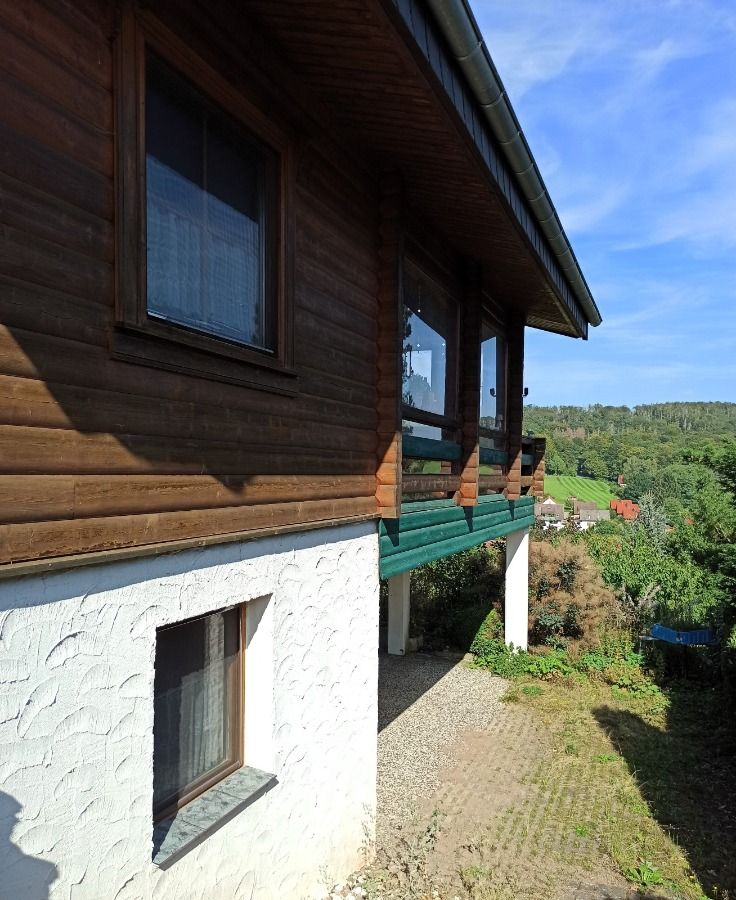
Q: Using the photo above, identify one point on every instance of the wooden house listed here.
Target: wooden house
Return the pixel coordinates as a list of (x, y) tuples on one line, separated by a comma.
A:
[(265, 272)]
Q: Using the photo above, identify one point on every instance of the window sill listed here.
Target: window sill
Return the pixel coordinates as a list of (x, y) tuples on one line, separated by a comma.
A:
[(157, 351), (175, 836)]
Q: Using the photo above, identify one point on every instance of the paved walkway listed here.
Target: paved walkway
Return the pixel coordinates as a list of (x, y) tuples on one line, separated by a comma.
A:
[(511, 823)]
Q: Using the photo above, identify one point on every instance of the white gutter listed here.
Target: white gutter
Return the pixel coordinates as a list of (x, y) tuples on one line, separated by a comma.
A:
[(466, 42)]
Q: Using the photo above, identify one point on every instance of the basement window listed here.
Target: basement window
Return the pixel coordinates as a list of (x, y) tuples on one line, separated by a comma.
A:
[(198, 708), (200, 779)]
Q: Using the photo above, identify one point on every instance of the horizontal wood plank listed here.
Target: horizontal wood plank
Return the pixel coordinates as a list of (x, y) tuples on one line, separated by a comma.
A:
[(38, 540), (34, 498)]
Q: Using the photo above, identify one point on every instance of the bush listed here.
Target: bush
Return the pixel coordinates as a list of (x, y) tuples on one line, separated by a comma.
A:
[(569, 602), (451, 597)]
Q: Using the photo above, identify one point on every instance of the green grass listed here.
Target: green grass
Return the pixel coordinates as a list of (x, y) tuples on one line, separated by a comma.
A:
[(560, 487)]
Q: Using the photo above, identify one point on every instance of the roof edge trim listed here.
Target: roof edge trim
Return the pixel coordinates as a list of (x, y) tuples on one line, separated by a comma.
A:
[(458, 24)]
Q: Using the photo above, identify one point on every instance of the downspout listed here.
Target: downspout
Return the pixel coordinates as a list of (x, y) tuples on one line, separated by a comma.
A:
[(466, 42)]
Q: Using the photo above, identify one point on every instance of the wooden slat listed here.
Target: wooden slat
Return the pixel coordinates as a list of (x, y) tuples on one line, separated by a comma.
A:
[(39, 540), (427, 484), (58, 451), (492, 482), (34, 498)]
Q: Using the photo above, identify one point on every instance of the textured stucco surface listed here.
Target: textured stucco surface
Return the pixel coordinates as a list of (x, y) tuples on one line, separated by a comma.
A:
[(76, 718)]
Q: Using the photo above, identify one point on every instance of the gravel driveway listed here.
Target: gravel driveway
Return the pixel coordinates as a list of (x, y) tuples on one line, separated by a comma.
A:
[(424, 704)]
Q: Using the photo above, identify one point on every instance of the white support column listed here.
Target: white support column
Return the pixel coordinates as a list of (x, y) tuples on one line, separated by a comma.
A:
[(516, 607), (399, 607)]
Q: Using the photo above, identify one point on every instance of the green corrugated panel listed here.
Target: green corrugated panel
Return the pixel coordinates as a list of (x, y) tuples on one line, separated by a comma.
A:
[(418, 537), (423, 518), (431, 529), (421, 505), (402, 562), (426, 448)]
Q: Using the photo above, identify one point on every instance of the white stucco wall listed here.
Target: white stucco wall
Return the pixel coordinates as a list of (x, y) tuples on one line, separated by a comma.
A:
[(76, 719)]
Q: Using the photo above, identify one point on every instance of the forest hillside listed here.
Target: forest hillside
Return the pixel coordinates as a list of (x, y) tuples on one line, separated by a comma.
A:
[(663, 448)]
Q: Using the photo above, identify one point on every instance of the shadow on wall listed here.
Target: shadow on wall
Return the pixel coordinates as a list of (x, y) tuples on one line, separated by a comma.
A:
[(685, 774), (21, 875)]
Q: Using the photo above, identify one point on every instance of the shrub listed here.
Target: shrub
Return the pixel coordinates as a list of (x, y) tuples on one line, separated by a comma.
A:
[(452, 596), (569, 601)]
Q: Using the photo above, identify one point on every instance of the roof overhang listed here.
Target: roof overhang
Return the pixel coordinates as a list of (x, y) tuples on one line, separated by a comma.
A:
[(399, 90)]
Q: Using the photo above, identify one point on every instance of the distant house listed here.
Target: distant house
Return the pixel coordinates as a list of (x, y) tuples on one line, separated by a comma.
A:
[(627, 509), (589, 517), (580, 506), (549, 510)]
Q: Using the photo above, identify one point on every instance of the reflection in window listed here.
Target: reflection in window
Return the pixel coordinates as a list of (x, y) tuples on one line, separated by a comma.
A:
[(430, 323), (416, 429), (208, 191), (492, 380)]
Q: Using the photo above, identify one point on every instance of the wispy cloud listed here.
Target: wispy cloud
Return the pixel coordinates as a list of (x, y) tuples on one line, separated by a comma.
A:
[(630, 109)]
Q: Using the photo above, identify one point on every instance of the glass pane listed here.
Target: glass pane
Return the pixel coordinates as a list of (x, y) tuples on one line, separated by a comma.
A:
[(207, 215), (194, 728), (492, 380), (417, 429), (430, 327)]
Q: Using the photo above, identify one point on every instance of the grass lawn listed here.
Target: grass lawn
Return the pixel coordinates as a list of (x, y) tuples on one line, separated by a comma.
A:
[(659, 774), (560, 487), (632, 788)]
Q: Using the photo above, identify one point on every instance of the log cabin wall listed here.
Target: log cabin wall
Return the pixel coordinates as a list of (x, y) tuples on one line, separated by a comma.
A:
[(98, 454)]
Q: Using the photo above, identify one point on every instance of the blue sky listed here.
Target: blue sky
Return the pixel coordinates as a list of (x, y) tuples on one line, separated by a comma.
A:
[(630, 110)]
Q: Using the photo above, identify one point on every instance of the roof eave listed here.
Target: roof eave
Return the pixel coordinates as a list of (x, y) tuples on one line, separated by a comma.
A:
[(459, 27)]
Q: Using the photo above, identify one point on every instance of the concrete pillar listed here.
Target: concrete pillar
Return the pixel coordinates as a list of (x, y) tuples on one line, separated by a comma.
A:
[(516, 605), (399, 607)]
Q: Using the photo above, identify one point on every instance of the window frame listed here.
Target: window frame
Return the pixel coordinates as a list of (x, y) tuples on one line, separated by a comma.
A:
[(143, 338), (449, 420), (237, 730)]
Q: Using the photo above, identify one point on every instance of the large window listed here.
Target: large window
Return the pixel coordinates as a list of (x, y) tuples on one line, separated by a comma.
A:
[(204, 180), (429, 349), (198, 707), (492, 380), (210, 190)]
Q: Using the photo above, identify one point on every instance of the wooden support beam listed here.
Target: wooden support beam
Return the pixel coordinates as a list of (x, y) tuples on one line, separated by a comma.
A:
[(390, 334), (469, 394), (539, 449), (515, 405)]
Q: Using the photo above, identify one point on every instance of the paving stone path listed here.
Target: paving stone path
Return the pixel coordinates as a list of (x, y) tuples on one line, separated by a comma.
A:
[(508, 809)]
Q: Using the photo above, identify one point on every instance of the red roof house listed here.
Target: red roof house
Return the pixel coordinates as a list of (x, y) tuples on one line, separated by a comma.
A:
[(626, 508)]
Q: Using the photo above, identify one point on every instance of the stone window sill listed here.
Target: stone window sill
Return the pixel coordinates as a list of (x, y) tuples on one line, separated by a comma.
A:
[(175, 836)]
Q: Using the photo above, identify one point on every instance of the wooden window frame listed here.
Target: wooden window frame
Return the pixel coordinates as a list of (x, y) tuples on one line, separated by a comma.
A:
[(137, 336), (237, 713), (449, 420)]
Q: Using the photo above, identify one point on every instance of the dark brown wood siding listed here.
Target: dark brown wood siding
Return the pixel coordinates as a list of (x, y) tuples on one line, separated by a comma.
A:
[(96, 453)]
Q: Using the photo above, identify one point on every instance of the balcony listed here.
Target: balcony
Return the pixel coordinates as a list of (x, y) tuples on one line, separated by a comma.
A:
[(432, 469)]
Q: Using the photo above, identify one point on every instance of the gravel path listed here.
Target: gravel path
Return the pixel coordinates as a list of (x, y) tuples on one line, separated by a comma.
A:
[(424, 704)]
